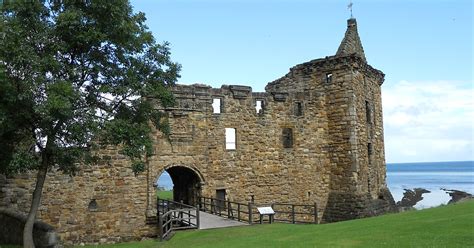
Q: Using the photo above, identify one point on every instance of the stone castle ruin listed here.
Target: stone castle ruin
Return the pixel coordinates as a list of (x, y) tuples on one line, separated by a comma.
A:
[(314, 136)]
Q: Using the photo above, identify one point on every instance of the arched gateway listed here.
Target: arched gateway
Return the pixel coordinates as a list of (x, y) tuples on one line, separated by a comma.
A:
[(187, 183)]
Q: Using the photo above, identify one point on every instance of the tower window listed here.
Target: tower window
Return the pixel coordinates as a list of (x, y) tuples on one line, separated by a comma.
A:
[(216, 105), (287, 136), (259, 106), (329, 78), (369, 152), (230, 143), (368, 112), (298, 109)]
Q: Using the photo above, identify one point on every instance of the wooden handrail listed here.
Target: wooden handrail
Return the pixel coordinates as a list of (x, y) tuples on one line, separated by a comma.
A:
[(171, 213), (245, 211)]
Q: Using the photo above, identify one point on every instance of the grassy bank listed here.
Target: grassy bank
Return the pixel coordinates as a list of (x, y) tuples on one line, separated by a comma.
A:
[(168, 194), (446, 226)]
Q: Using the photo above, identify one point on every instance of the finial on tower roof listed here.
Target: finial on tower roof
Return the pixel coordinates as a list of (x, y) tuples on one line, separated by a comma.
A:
[(351, 43), (350, 7)]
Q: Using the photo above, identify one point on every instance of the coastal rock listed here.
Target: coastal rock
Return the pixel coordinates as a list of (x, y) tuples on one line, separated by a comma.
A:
[(457, 195), (411, 198)]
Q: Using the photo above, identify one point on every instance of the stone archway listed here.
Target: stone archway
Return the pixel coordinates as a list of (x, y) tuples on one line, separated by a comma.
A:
[(186, 184)]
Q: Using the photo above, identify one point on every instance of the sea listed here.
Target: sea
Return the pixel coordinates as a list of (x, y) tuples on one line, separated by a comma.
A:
[(432, 176)]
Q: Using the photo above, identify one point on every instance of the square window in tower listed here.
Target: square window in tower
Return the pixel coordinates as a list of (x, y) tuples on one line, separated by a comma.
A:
[(216, 105), (329, 78), (259, 106), (230, 142), (287, 137)]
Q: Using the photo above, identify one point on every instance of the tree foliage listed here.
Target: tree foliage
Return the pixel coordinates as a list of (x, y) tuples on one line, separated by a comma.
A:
[(75, 75)]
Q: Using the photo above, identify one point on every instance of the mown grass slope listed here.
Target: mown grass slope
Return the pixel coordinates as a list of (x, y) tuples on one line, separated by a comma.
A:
[(445, 226)]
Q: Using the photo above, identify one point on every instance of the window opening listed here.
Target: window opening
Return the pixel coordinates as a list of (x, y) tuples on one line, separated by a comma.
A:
[(230, 143), (369, 151), (329, 78), (220, 196), (259, 106), (368, 112), (216, 105), (287, 134), (299, 109), (92, 205)]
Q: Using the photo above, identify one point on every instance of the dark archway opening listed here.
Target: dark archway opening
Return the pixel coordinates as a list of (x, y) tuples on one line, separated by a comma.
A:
[(186, 184)]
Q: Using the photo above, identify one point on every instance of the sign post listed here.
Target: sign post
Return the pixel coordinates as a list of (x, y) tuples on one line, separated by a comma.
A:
[(266, 211)]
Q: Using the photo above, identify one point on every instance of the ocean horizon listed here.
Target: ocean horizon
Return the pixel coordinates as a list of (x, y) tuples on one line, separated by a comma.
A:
[(432, 176)]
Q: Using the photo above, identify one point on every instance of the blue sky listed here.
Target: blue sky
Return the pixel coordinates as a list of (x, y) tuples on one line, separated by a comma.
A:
[(424, 48)]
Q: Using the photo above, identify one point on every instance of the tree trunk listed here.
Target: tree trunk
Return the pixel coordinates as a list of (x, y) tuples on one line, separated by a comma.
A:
[(28, 241)]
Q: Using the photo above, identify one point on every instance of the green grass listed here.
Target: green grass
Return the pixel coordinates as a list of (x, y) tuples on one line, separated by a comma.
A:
[(168, 194), (446, 226), (150, 243)]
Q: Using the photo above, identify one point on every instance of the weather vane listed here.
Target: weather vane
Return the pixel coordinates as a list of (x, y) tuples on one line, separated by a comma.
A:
[(350, 7)]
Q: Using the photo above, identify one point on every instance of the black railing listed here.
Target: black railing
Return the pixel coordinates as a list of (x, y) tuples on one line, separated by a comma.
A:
[(295, 213), (232, 210), (248, 212), (175, 216)]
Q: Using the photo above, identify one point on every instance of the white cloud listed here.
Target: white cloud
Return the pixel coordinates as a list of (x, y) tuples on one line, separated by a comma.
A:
[(428, 121)]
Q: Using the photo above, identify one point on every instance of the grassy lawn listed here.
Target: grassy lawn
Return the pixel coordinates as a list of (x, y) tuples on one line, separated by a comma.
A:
[(446, 226), (168, 194)]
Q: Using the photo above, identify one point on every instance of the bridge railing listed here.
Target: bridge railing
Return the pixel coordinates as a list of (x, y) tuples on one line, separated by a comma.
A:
[(232, 210), (248, 212), (175, 216), (295, 213)]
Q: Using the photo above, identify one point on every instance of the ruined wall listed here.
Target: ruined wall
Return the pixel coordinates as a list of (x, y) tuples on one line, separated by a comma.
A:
[(322, 101), (325, 104), (102, 203), (260, 165)]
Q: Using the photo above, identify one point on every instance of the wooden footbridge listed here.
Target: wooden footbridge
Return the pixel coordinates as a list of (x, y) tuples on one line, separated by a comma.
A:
[(217, 213)]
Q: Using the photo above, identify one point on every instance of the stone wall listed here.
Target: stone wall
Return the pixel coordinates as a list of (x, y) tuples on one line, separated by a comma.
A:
[(11, 230), (103, 203), (318, 140)]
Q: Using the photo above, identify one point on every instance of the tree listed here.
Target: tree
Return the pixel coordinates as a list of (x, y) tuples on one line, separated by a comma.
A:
[(76, 75)]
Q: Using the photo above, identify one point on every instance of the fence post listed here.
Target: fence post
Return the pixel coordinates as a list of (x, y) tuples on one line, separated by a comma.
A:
[(250, 214), (160, 227), (315, 213), (238, 211), (272, 216), (293, 213), (197, 219), (212, 205)]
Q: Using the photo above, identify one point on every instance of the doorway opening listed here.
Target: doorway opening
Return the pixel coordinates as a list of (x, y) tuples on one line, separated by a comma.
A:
[(180, 184)]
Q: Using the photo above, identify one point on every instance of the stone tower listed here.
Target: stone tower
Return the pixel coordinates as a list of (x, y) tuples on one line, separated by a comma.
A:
[(315, 136)]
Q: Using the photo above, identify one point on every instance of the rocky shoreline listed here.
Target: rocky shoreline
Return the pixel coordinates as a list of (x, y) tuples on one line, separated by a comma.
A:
[(412, 196)]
